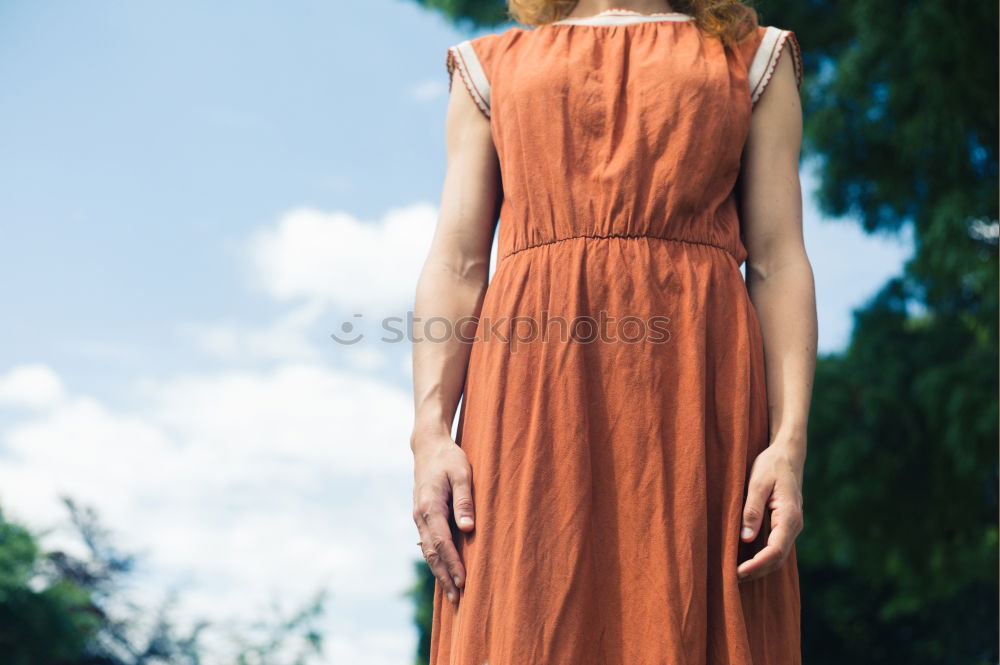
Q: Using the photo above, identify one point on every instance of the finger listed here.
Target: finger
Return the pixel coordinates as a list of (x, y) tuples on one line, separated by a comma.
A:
[(758, 493), (461, 496), (434, 561), (770, 557), (444, 546), (427, 519), (765, 561)]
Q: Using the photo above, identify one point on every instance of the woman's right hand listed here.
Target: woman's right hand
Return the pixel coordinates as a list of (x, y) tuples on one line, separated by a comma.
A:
[(442, 478)]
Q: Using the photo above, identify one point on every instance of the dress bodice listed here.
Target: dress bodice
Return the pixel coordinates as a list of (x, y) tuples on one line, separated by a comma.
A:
[(619, 124)]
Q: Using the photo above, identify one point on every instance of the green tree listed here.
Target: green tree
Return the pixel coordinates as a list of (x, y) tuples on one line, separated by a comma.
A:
[(899, 555), (61, 609), (422, 594), (48, 623)]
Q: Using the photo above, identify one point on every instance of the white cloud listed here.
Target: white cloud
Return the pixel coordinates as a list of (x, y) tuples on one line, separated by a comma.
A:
[(296, 412), (30, 386), (249, 485), (341, 260), (289, 337), (344, 278)]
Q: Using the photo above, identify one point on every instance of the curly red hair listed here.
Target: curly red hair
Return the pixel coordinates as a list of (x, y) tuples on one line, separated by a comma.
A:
[(730, 20)]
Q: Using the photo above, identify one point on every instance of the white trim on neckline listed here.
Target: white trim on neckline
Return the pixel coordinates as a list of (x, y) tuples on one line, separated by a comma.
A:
[(616, 16)]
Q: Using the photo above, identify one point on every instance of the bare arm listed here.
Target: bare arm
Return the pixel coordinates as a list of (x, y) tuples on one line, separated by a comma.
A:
[(451, 287), (780, 282)]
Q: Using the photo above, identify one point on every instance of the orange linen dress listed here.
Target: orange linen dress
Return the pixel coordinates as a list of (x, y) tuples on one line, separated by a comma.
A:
[(615, 396)]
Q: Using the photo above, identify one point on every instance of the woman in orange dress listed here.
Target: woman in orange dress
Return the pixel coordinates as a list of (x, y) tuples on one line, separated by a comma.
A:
[(625, 482)]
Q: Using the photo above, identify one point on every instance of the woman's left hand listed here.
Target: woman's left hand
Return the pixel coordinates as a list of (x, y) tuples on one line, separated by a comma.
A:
[(776, 485)]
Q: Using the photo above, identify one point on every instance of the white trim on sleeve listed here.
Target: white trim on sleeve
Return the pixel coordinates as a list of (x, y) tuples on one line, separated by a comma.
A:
[(463, 56), (766, 57)]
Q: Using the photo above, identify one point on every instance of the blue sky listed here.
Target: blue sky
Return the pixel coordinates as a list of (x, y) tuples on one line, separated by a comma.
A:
[(192, 197)]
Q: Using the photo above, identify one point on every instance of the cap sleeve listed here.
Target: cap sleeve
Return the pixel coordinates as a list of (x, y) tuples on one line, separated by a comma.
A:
[(767, 48), (465, 57)]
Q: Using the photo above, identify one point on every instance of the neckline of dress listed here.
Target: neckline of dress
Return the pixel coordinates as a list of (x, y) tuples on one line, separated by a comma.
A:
[(622, 16)]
